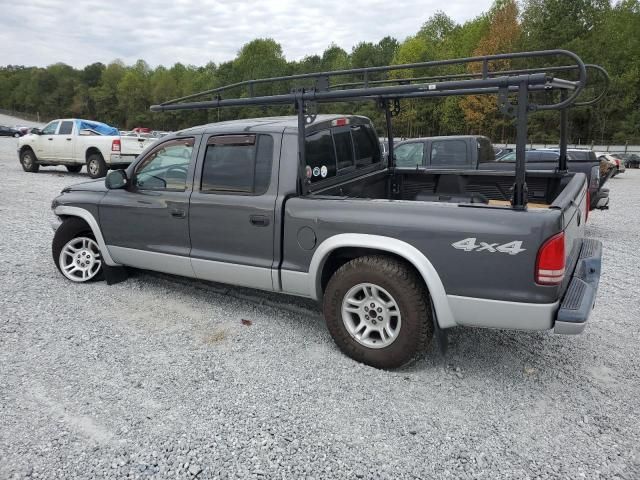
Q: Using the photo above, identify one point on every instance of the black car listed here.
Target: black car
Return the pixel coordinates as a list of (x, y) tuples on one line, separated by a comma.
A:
[(9, 132), (631, 160)]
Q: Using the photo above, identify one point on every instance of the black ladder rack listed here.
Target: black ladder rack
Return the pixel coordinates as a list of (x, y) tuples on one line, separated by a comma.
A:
[(483, 78)]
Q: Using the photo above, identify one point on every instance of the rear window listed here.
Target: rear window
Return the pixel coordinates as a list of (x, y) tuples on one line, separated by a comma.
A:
[(330, 152), (449, 152), (320, 155), (344, 149), (366, 145)]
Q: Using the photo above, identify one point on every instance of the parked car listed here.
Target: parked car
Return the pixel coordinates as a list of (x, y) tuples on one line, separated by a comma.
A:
[(22, 129), (9, 132), (386, 272), (75, 142), (614, 161), (473, 152), (631, 160)]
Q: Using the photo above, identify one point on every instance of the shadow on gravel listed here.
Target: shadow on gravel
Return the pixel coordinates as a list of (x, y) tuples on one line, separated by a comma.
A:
[(481, 353)]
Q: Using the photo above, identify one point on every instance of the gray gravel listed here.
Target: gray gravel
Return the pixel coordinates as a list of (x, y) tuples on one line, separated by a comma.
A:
[(159, 377)]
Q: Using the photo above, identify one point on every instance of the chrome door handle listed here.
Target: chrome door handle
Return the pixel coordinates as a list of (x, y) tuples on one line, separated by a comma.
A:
[(178, 213)]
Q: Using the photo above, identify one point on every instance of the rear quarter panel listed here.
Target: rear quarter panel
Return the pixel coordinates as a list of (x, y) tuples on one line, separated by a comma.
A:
[(432, 228)]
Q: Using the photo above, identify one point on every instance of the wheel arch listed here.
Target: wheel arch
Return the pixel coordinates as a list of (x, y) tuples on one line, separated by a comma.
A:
[(24, 148), (337, 250), (90, 151), (65, 211)]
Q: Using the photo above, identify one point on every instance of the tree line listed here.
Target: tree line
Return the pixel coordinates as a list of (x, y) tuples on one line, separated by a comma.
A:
[(599, 31)]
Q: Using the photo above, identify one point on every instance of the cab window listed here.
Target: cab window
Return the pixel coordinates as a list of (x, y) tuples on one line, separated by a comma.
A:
[(166, 166), (50, 129), (238, 164), (409, 154), (449, 152), (66, 128)]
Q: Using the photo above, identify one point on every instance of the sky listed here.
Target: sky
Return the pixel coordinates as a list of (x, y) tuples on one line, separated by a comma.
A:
[(163, 32)]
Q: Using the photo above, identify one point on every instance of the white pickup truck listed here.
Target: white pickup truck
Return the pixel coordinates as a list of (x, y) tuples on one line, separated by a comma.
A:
[(74, 142)]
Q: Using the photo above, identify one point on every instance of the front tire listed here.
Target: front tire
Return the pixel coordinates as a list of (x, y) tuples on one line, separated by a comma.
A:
[(16, 135), (377, 311), (96, 166), (74, 168), (29, 161), (76, 252)]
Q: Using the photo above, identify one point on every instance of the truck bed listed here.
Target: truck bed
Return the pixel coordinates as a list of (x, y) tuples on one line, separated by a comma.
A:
[(479, 188)]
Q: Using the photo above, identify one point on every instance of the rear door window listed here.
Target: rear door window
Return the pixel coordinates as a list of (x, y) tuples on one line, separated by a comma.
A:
[(449, 153), (66, 128), (237, 164)]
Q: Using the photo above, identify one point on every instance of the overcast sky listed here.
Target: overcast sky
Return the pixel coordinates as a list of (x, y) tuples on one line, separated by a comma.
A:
[(163, 32)]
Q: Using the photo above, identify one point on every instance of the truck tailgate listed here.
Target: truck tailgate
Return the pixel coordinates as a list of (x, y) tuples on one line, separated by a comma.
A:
[(130, 145)]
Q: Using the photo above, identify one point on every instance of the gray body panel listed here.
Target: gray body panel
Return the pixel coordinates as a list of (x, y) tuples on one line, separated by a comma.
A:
[(471, 274)]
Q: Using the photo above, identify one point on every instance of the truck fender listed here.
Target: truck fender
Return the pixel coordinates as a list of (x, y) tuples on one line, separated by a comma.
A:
[(391, 245), (67, 211)]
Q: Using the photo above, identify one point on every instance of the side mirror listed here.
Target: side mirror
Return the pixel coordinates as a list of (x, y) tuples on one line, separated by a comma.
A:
[(36, 131), (116, 179)]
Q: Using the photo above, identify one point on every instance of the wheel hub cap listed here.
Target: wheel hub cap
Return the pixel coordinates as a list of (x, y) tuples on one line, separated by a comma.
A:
[(371, 315), (80, 259)]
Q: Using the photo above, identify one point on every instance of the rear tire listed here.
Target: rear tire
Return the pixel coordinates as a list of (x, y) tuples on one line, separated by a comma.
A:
[(378, 312), (74, 168), (96, 166), (29, 161), (76, 252)]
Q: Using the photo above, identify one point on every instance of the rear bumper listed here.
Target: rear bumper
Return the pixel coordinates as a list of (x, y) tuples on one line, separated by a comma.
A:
[(580, 297), (121, 159)]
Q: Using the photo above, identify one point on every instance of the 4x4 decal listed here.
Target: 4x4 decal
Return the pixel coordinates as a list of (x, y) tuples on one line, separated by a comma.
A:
[(470, 245)]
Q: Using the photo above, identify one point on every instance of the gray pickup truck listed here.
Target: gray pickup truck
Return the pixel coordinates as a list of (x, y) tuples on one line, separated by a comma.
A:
[(306, 205), (220, 202)]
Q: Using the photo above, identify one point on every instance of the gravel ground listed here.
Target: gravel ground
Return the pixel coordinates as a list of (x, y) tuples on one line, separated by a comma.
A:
[(159, 377)]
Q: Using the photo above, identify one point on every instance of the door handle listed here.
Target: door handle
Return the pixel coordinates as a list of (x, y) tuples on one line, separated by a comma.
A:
[(178, 213), (68, 139), (49, 139), (259, 220)]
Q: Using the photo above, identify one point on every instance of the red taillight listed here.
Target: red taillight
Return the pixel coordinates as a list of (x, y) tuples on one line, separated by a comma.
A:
[(115, 145), (340, 122), (617, 162), (550, 262)]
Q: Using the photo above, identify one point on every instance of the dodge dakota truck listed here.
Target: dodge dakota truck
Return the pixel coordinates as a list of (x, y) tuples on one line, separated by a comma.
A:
[(73, 143), (306, 205)]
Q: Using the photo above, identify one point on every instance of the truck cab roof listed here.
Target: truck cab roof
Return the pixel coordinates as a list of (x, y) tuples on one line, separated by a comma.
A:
[(273, 124)]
